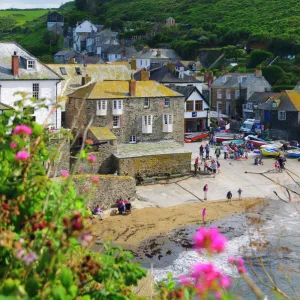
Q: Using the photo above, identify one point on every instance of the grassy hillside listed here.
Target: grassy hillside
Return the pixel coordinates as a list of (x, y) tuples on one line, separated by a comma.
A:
[(22, 16)]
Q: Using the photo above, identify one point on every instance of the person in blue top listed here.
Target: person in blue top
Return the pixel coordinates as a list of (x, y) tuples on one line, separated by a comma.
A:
[(207, 149)]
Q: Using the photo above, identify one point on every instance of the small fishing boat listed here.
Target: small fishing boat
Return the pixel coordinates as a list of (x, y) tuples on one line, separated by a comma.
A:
[(257, 142), (272, 149), (195, 137), (222, 137), (294, 153), (237, 142)]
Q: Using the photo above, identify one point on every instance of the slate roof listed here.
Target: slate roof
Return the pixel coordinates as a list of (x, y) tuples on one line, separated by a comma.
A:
[(95, 71), (261, 97), (232, 81), (69, 53), (55, 17), (114, 49), (288, 101), (41, 71), (164, 75), (152, 53), (187, 91), (120, 90)]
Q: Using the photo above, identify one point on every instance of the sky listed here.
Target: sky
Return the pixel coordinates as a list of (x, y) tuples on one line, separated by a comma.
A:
[(31, 3)]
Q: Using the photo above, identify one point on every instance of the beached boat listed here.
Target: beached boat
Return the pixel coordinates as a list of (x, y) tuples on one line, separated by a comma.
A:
[(272, 149), (195, 137), (222, 137), (257, 142), (237, 142), (294, 153)]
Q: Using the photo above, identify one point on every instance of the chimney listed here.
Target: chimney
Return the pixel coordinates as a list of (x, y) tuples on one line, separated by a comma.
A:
[(15, 64), (144, 75), (258, 73), (133, 64), (132, 87), (83, 80)]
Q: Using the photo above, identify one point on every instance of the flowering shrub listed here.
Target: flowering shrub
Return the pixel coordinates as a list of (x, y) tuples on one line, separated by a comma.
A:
[(44, 231)]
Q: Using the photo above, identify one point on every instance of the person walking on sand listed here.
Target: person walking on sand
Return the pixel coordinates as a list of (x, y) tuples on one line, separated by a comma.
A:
[(196, 165), (240, 193), (214, 167), (217, 152), (207, 149), (225, 150), (229, 196), (203, 215), (205, 190), (201, 152)]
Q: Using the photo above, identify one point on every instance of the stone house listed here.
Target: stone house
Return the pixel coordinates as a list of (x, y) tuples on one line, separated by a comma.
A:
[(144, 113), (20, 71), (281, 115), (228, 88), (80, 34), (170, 22), (54, 18), (67, 56)]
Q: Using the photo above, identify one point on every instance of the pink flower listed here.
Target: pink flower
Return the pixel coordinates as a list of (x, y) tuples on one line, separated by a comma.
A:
[(80, 170), (231, 260), (210, 239), (64, 173), (22, 155), (89, 142), (239, 263), (22, 130), (85, 238), (218, 295), (95, 179), (86, 188), (225, 282), (91, 158), (13, 145), (29, 258), (20, 253)]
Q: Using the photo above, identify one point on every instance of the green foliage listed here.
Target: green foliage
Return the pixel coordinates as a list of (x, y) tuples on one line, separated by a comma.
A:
[(20, 17), (7, 23), (273, 74), (43, 228), (257, 57)]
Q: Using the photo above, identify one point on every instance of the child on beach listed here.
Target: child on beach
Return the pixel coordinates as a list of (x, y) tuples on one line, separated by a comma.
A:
[(229, 196), (246, 154), (276, 166), (205, 190), (203, 215), (240, 193)]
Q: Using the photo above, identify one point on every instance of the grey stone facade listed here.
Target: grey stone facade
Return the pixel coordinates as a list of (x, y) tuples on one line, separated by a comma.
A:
[(131, 119)]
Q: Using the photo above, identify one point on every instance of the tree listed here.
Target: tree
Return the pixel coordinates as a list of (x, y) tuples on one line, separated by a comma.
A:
[(117, 25), (273, 74), (257, 57)]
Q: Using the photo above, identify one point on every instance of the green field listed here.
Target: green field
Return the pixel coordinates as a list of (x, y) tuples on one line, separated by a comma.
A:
[(22, 16)]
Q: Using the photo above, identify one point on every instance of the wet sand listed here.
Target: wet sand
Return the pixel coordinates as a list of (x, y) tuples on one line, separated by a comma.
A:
[(128, 231)]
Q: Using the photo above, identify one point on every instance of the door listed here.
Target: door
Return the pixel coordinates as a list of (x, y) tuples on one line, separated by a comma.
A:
[(228, 113), (267, 116)]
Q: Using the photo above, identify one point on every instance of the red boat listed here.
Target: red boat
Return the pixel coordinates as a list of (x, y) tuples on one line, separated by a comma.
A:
[(222, 137), (193, 138), (257, 142)]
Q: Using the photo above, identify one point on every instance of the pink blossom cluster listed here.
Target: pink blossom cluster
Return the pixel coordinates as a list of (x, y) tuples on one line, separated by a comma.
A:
[(208, 281), (91, 158), (22, 130), (22, 155), (89, 142), (95, 179), (64, 173), (27, 258), (239, 263), (210, 239)]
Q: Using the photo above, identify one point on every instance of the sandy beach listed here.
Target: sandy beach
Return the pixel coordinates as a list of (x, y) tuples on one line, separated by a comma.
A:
[(130, 230)]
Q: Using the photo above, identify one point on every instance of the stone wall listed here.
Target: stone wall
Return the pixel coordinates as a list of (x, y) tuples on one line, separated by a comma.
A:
[(106, 191), (155, 165)]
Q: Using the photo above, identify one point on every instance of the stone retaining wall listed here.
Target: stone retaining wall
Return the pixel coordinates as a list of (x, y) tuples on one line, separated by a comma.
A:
[(106, 191), (155, 165)]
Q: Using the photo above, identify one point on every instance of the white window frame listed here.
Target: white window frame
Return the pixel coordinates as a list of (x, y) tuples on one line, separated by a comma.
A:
[(101, 108), (237, 94), (280, 112), (116, 124), (132, 139), (146, 102), (36, 91), (167, 123), (219, 104), (167, 102), (147, 122), (219, 94), (31, 64), (117, 107), (228, 94)]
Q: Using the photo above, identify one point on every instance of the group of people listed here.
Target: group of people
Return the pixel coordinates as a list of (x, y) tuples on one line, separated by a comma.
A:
[(228, 196), (237, 152), (280, 163), (212, 168), (124, 206)]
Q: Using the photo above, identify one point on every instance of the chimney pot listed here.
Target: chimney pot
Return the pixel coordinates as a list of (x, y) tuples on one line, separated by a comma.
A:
[(258, 73), (15, 64), (132, 87)]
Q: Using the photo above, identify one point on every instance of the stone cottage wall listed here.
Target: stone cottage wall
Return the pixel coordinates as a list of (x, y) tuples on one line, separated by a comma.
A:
[(155, 165), (106, 191)]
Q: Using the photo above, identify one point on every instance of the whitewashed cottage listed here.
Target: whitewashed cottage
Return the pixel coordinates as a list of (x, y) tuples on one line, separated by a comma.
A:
[(22, 72)]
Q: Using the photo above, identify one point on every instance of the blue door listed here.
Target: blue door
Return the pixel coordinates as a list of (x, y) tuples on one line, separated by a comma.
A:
[(267, 116)]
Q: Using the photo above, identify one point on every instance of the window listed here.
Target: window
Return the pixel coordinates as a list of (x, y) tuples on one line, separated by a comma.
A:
[(78, 71), (167, 102), (63, 71), (116, 121), (146, 103), (147, 124), (148, 120), (102, 105), (132, 139), (281, 115), (189, 105), (117, 104), (167, 123), (237, 94), (30, 64), (36, 90), (199, 105), (228, 94), (219, 107), (219, 94)]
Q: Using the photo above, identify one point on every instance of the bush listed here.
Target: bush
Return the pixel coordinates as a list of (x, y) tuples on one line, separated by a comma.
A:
[(273, 74), (257, 57)]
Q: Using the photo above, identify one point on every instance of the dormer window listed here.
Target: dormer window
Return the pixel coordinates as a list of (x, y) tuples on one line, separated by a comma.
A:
[(30, 64)]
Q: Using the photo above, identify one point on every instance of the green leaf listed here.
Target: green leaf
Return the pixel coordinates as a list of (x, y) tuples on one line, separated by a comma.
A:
[(37, 129), (66, 277), (59, 293), (32, 286)]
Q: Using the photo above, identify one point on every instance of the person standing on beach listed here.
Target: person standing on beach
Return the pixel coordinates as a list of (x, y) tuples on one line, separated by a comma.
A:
[(205, 190), (225, 149), (240, 193), (229, 196), (201, 151), (214, 167), (196, 165), (217, 152), (207, 149), (203, 215)]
